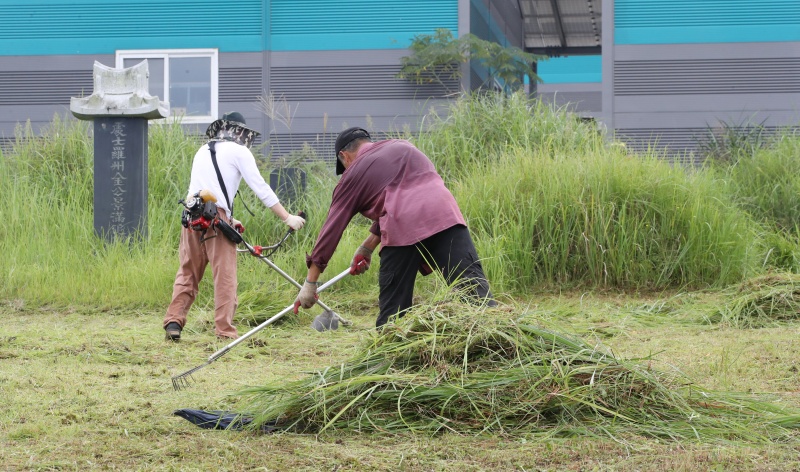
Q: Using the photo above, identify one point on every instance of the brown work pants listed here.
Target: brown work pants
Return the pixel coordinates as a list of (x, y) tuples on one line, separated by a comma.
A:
[(194, 256)]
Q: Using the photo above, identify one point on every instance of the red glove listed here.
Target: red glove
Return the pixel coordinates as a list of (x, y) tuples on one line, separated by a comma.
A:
[(361, 261)]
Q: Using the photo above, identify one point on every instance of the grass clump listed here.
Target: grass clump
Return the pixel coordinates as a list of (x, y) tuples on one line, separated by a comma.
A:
[(471, 135), (460, 369), (766, 300), (730, 142), (606, 219), (766, 181)]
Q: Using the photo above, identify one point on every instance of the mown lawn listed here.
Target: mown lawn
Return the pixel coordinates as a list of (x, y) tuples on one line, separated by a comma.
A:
[(91, 390)]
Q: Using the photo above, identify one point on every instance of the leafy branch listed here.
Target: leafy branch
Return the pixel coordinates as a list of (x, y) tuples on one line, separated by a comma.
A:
[(437, 58)]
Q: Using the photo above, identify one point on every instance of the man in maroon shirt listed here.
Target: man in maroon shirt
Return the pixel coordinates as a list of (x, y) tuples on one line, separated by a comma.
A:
[(415, 218)]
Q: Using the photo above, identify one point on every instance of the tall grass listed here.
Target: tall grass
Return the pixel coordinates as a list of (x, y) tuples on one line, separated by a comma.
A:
[(549, 203), (472, 134), (53, 256), (606, 220), (766, 182)]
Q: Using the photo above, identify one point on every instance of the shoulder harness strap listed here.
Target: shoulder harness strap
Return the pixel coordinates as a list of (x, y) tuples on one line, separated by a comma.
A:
[(211, 146)]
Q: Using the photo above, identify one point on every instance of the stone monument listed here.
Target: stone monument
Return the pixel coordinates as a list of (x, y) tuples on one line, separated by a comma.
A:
[(120, 107)]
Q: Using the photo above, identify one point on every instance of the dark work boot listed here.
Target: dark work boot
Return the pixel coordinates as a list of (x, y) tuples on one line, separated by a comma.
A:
[(173, 330)]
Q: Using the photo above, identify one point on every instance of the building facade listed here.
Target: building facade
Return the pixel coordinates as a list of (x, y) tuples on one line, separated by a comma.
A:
[(671, 72), (299, 71), (653, 72)]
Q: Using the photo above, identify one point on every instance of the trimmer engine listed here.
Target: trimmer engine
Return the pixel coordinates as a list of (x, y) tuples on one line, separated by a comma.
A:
[(200, 211)]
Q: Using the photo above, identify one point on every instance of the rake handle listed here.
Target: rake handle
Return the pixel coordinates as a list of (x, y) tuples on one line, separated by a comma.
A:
[(253, 331), (275, 318)]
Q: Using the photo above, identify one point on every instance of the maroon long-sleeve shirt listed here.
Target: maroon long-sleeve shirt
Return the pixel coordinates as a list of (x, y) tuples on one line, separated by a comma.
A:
[(397, 187)]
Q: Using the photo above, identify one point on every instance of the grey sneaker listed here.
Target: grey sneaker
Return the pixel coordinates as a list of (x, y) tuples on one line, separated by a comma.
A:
[(173, 330)]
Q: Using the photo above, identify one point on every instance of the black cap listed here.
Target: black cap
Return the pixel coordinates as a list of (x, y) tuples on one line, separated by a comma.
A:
[(234, 116), (346, 137)]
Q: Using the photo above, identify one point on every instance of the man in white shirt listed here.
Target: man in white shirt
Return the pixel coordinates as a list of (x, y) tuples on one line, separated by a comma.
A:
[(230, 140)]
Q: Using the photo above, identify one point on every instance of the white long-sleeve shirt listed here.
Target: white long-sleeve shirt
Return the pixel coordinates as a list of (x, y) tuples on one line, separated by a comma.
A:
[(235, 162)]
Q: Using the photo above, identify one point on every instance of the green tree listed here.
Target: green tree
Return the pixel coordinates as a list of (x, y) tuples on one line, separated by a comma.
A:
[(437, 58)]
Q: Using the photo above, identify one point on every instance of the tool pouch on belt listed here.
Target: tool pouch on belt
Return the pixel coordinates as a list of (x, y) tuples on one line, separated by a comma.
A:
[(229, 231)]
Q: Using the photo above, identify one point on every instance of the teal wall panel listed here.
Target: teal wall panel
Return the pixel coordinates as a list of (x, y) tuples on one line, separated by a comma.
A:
[(483, 25), (705, 21), (572, 69), (39, 27), (52, 27), (318, 25)]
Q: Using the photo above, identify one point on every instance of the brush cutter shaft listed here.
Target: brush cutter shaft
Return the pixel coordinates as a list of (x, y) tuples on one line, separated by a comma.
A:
[(288, 277), (275, 318), (277, 269)]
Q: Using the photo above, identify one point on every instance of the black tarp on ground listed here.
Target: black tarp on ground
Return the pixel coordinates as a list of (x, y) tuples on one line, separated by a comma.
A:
[(220, 420)]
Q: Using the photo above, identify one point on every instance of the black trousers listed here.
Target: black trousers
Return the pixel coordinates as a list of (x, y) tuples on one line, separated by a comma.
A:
[(451, 251)]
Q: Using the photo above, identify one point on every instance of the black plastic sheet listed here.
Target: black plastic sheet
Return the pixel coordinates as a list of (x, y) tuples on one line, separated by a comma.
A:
[(222, 420)]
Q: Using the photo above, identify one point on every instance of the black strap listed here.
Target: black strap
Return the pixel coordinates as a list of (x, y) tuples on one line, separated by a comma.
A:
[(211, 145)]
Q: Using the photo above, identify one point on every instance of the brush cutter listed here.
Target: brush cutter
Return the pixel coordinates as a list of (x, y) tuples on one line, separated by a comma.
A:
[(329, 319), (182, 380)]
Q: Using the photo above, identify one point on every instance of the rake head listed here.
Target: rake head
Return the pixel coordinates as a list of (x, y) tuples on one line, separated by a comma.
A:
[(185, 379)]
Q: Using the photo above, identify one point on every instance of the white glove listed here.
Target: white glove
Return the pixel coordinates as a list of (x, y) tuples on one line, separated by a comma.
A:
[(307, 296), (295, 222)]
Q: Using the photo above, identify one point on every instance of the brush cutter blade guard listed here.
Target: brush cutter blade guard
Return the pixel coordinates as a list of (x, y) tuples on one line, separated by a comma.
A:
[(327, 321)]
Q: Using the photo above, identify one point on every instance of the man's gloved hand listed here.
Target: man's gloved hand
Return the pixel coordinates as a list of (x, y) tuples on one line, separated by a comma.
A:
[(237, 225), (307, 296), (295, 222), (361, 260)]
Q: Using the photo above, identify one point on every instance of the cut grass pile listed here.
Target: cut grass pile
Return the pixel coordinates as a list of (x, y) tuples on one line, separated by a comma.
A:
[(450, 367), (762, 301)]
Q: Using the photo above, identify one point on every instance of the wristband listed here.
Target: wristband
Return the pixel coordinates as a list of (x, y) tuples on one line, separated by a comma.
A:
[(310, 282)]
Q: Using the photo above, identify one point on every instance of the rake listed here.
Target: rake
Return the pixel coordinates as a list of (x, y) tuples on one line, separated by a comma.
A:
[(183, 380)]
